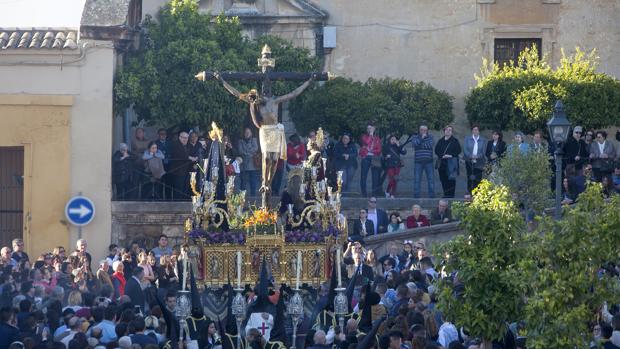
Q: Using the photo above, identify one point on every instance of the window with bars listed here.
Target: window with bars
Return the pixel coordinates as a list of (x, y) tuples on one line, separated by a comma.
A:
[(507, 50)]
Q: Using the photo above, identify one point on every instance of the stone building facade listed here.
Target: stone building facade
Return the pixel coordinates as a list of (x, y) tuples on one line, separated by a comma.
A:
[(56, 113), (442, 42)]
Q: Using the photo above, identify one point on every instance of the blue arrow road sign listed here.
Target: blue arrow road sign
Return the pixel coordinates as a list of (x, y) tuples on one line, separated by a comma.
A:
[(80, 210)]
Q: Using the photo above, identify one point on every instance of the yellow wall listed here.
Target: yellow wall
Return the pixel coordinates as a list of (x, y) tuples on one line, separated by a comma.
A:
[(41, 124)]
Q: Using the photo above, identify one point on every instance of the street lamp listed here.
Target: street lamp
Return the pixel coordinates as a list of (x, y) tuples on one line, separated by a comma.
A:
[(295, 310), (238, 310), (558, 131), (182, 311)]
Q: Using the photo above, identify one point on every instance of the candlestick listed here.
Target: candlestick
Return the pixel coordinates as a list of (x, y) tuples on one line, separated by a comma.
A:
[(338, 267), (185, 270), (205, 164), (298, 269), (238, 269), (290, 209)]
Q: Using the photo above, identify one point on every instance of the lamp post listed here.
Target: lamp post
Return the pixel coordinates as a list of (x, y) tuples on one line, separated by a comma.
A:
[(558, 133), (296, 310)]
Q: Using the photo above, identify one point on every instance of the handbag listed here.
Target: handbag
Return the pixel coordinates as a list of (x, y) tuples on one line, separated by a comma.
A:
[(376, 161)]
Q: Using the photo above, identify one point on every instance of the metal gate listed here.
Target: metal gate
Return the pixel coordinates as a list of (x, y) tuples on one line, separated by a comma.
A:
[(11, 194)]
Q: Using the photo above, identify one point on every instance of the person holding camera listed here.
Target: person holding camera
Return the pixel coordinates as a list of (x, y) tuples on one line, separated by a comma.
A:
[(393, 163)]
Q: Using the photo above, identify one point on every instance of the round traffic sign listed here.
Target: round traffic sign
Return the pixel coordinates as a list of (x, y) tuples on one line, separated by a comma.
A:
[(80, 210)]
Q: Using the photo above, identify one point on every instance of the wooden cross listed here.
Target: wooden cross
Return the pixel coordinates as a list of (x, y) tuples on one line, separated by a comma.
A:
[(266, 76)]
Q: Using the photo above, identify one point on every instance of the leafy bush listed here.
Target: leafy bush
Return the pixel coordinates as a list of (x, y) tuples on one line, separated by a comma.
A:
[(158, 79), (527, 176), (393, 105), (488, 290), (521, 97)]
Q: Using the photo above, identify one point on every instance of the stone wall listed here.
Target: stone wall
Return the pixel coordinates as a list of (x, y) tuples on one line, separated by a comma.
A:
[(145, 221)]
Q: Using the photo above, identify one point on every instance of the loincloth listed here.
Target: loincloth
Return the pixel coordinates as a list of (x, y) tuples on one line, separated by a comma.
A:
[(273, 140)]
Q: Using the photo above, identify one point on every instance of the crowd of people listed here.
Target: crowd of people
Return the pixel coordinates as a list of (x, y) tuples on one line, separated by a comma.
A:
[(128, 300), (63, 300), (159, 169)]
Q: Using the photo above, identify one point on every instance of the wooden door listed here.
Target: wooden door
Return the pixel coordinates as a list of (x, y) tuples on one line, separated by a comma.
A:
[(11, 194)]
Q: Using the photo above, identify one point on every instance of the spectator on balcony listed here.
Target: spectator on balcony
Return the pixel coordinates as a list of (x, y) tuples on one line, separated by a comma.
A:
[(392, 153), (576, 150), (473, 153), (423, 162), (138, 145), (496, 148), (295, 152), (345, 155), (163, 144), (378, 216), (447, 150), (180, 165), (370, 155), (602, 154), (154, 168), (248, 149), (569, 193), (417, 219), (519, 143), (442, 213), (538, 143), (396, 223), (122, 166), (362, 226)]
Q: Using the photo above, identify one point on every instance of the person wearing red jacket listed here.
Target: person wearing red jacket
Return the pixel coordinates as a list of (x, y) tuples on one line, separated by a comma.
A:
[(370, 153), (417, 219), (295, 152)]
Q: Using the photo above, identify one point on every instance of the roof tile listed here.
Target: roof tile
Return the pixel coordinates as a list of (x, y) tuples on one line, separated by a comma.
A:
[(32, 38)]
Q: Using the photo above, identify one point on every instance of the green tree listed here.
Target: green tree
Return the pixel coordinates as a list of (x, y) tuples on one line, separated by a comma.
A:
[(393, 105), (486, 292), (564, 261), (158, 79), (527, 176), (521, 96)]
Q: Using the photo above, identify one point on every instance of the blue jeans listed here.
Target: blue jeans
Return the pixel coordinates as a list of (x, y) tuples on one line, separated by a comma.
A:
[(375, 180), (347, 178), (419, 168), (249, 181)]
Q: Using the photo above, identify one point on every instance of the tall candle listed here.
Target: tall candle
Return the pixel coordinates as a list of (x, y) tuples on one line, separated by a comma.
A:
[(238, 269), (185, 270), (338, 267), (298, 269)]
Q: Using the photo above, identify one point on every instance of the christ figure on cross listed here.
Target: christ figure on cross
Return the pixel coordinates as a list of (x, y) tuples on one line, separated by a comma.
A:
[(264, 112)]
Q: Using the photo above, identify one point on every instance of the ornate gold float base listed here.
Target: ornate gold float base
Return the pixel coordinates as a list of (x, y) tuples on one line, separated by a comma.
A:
[(219, 261)]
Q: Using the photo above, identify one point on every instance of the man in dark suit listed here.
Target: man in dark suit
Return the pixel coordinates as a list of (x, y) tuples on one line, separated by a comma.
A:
[(362, 269), (133, 289), (378, 216), (362, 227)]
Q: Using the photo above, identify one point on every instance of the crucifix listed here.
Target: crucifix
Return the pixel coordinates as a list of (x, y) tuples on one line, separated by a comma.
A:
[(264, 109)]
